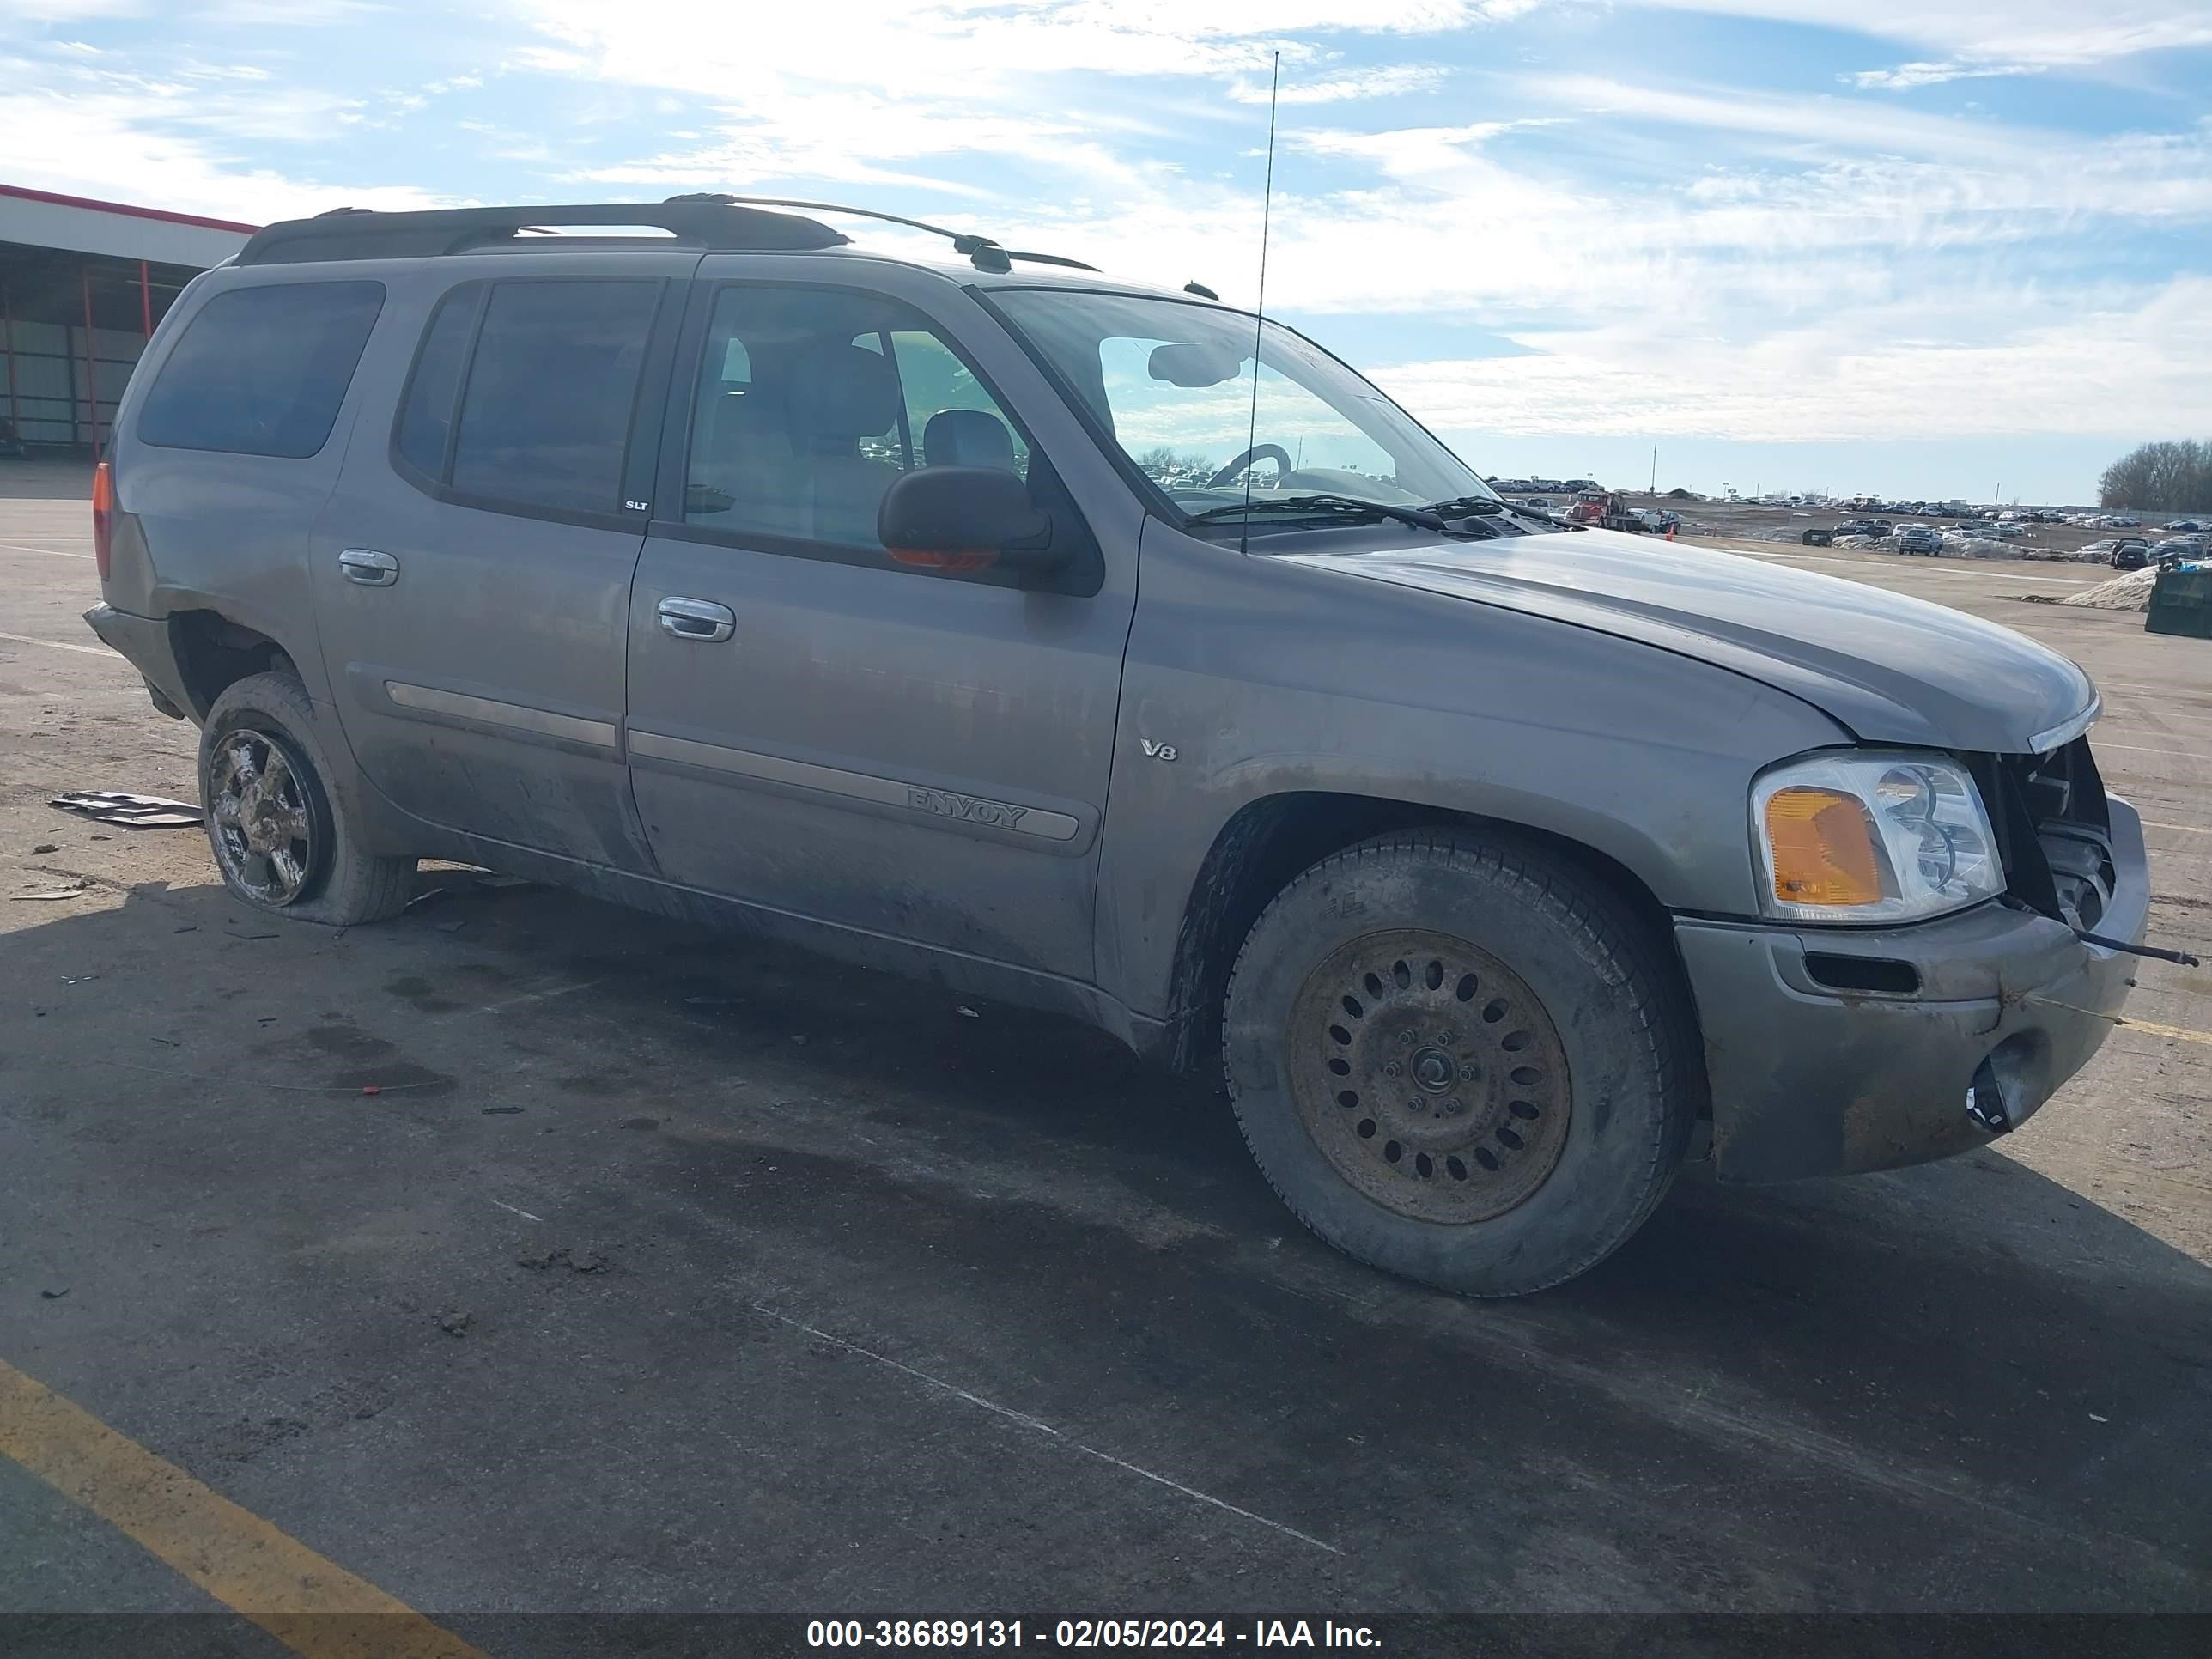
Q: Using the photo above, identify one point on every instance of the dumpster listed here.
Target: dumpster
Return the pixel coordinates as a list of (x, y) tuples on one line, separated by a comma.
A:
[(2182, 602)]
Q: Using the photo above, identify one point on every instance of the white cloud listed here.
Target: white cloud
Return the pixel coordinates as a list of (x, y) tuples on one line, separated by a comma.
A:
[(2133, 366), (101, 146), (2048, 33), (1389, 82), (1905, 77)]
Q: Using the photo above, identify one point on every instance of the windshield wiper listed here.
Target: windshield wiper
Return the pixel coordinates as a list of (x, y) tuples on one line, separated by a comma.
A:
[(1347, 506), (1470, 506)]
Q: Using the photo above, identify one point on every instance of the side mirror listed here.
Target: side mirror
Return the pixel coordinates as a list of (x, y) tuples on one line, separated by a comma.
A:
[(957, 519)]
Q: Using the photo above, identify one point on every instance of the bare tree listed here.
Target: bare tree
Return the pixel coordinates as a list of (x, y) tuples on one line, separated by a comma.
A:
[(2173, 476)]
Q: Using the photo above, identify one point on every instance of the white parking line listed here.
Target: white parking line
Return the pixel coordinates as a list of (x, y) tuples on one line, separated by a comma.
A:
[(1025, 1420), (2139, 749), (2152, 690), (25, 547), (2185, 829), (60, 645)]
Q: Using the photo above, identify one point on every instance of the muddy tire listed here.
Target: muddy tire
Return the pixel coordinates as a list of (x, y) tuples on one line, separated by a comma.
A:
[(280, 838), (1461, 1059)]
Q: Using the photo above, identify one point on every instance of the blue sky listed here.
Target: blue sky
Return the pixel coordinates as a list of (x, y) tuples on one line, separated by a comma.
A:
[(1917, 246)]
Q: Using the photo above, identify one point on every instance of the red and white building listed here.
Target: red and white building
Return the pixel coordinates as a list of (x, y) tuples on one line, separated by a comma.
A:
[(83, 284)]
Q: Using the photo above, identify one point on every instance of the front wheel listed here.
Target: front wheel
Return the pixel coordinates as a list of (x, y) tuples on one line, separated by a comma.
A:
[(1461, 1059), (280, 839)]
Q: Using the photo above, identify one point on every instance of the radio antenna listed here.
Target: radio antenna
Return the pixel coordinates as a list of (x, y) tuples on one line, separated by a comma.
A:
[(1267, 201)]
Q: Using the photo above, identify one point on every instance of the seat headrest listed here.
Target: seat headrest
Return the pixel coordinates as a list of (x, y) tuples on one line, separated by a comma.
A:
[(967, 437), (843, 391)]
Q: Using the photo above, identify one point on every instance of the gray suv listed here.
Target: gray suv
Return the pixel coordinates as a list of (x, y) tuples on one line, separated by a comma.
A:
[(1110, 651)]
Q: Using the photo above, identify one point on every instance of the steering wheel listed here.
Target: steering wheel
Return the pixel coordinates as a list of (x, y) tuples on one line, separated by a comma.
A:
[(1245, 462)]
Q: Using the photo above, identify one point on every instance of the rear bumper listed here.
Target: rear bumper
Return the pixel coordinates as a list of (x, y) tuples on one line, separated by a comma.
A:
[(1808, 1081), (146, 643)]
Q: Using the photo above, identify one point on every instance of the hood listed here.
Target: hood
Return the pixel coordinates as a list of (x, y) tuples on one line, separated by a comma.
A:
[(1888, 668)]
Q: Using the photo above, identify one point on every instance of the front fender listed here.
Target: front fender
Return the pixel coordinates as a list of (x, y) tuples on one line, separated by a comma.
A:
[(1264, 679)]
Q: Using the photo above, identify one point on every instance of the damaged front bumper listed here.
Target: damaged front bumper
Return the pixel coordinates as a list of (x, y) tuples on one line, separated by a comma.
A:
[(1834, 1051)]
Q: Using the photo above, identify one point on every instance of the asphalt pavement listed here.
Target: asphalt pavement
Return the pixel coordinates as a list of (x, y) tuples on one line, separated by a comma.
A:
[(525, 1255)]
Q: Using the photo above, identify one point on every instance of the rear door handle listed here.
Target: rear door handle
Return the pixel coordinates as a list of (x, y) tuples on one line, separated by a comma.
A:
[(696, 619), (368, 567)]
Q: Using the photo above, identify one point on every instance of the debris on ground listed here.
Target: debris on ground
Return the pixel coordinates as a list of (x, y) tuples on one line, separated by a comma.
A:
[(2129, 593), (454, 1323), (966, 1013), (45, 847), (580, 1261), (494, 883), (501, 1111), (131, 811), (55, 1296), (46, 893)]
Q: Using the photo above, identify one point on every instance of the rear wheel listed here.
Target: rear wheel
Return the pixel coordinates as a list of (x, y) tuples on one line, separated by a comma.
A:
[(1461, 1059), (280, 841)]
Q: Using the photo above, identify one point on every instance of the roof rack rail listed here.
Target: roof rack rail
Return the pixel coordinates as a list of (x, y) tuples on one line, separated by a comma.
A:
[(360, 234), (983, 252)]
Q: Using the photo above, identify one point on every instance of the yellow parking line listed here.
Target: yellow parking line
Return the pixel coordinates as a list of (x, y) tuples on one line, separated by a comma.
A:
[(2181, 1033), (313, 1607)]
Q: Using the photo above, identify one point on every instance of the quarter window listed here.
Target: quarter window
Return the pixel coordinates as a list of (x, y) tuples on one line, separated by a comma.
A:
[(426, 420), (262, 370)]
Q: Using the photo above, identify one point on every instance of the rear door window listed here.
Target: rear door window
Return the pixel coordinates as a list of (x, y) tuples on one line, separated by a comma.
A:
[(546, 408), (262, 370)]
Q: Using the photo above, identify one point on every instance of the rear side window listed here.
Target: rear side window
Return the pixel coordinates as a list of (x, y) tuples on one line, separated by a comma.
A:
[(262, 370), (546, 406)]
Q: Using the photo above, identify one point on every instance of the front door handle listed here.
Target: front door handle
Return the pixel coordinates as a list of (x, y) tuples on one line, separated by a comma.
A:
[(696, 619), (368, 567)]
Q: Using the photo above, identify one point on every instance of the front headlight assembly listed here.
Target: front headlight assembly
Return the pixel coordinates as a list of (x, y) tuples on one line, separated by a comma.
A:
[(1871, 835)]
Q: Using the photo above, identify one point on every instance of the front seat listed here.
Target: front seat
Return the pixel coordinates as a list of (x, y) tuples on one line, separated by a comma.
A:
[(841, 394), (967, 437)]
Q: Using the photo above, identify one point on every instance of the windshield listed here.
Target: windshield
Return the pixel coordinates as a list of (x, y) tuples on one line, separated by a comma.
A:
[(1172, 383)]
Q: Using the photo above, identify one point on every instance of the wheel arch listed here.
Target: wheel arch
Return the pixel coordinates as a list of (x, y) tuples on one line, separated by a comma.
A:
[(213, 652), (1269, 840)]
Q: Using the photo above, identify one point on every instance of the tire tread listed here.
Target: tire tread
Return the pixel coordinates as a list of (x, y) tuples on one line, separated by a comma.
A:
[(1662, 1013)]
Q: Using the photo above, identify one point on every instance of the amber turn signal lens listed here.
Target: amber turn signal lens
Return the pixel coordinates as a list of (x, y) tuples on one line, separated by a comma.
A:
[(1823, 846)]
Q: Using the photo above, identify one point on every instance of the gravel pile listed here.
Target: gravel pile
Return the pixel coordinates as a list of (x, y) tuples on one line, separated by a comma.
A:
[(2128, 592)]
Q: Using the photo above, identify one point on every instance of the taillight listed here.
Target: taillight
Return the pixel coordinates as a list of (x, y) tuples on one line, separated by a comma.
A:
[(103, 516)]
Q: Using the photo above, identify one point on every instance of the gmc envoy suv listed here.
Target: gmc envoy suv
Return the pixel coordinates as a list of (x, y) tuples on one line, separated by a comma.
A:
[(1112, 652)]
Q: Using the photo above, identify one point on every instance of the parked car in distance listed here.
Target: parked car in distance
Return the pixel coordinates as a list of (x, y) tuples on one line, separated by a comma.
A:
[(2184, 524), (743, 575), (2123, 554), (2175, 548), (1920, 539)]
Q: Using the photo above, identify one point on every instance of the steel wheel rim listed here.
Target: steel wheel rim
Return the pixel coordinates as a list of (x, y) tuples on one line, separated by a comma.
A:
[(1429, 1076), (264, 823)]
